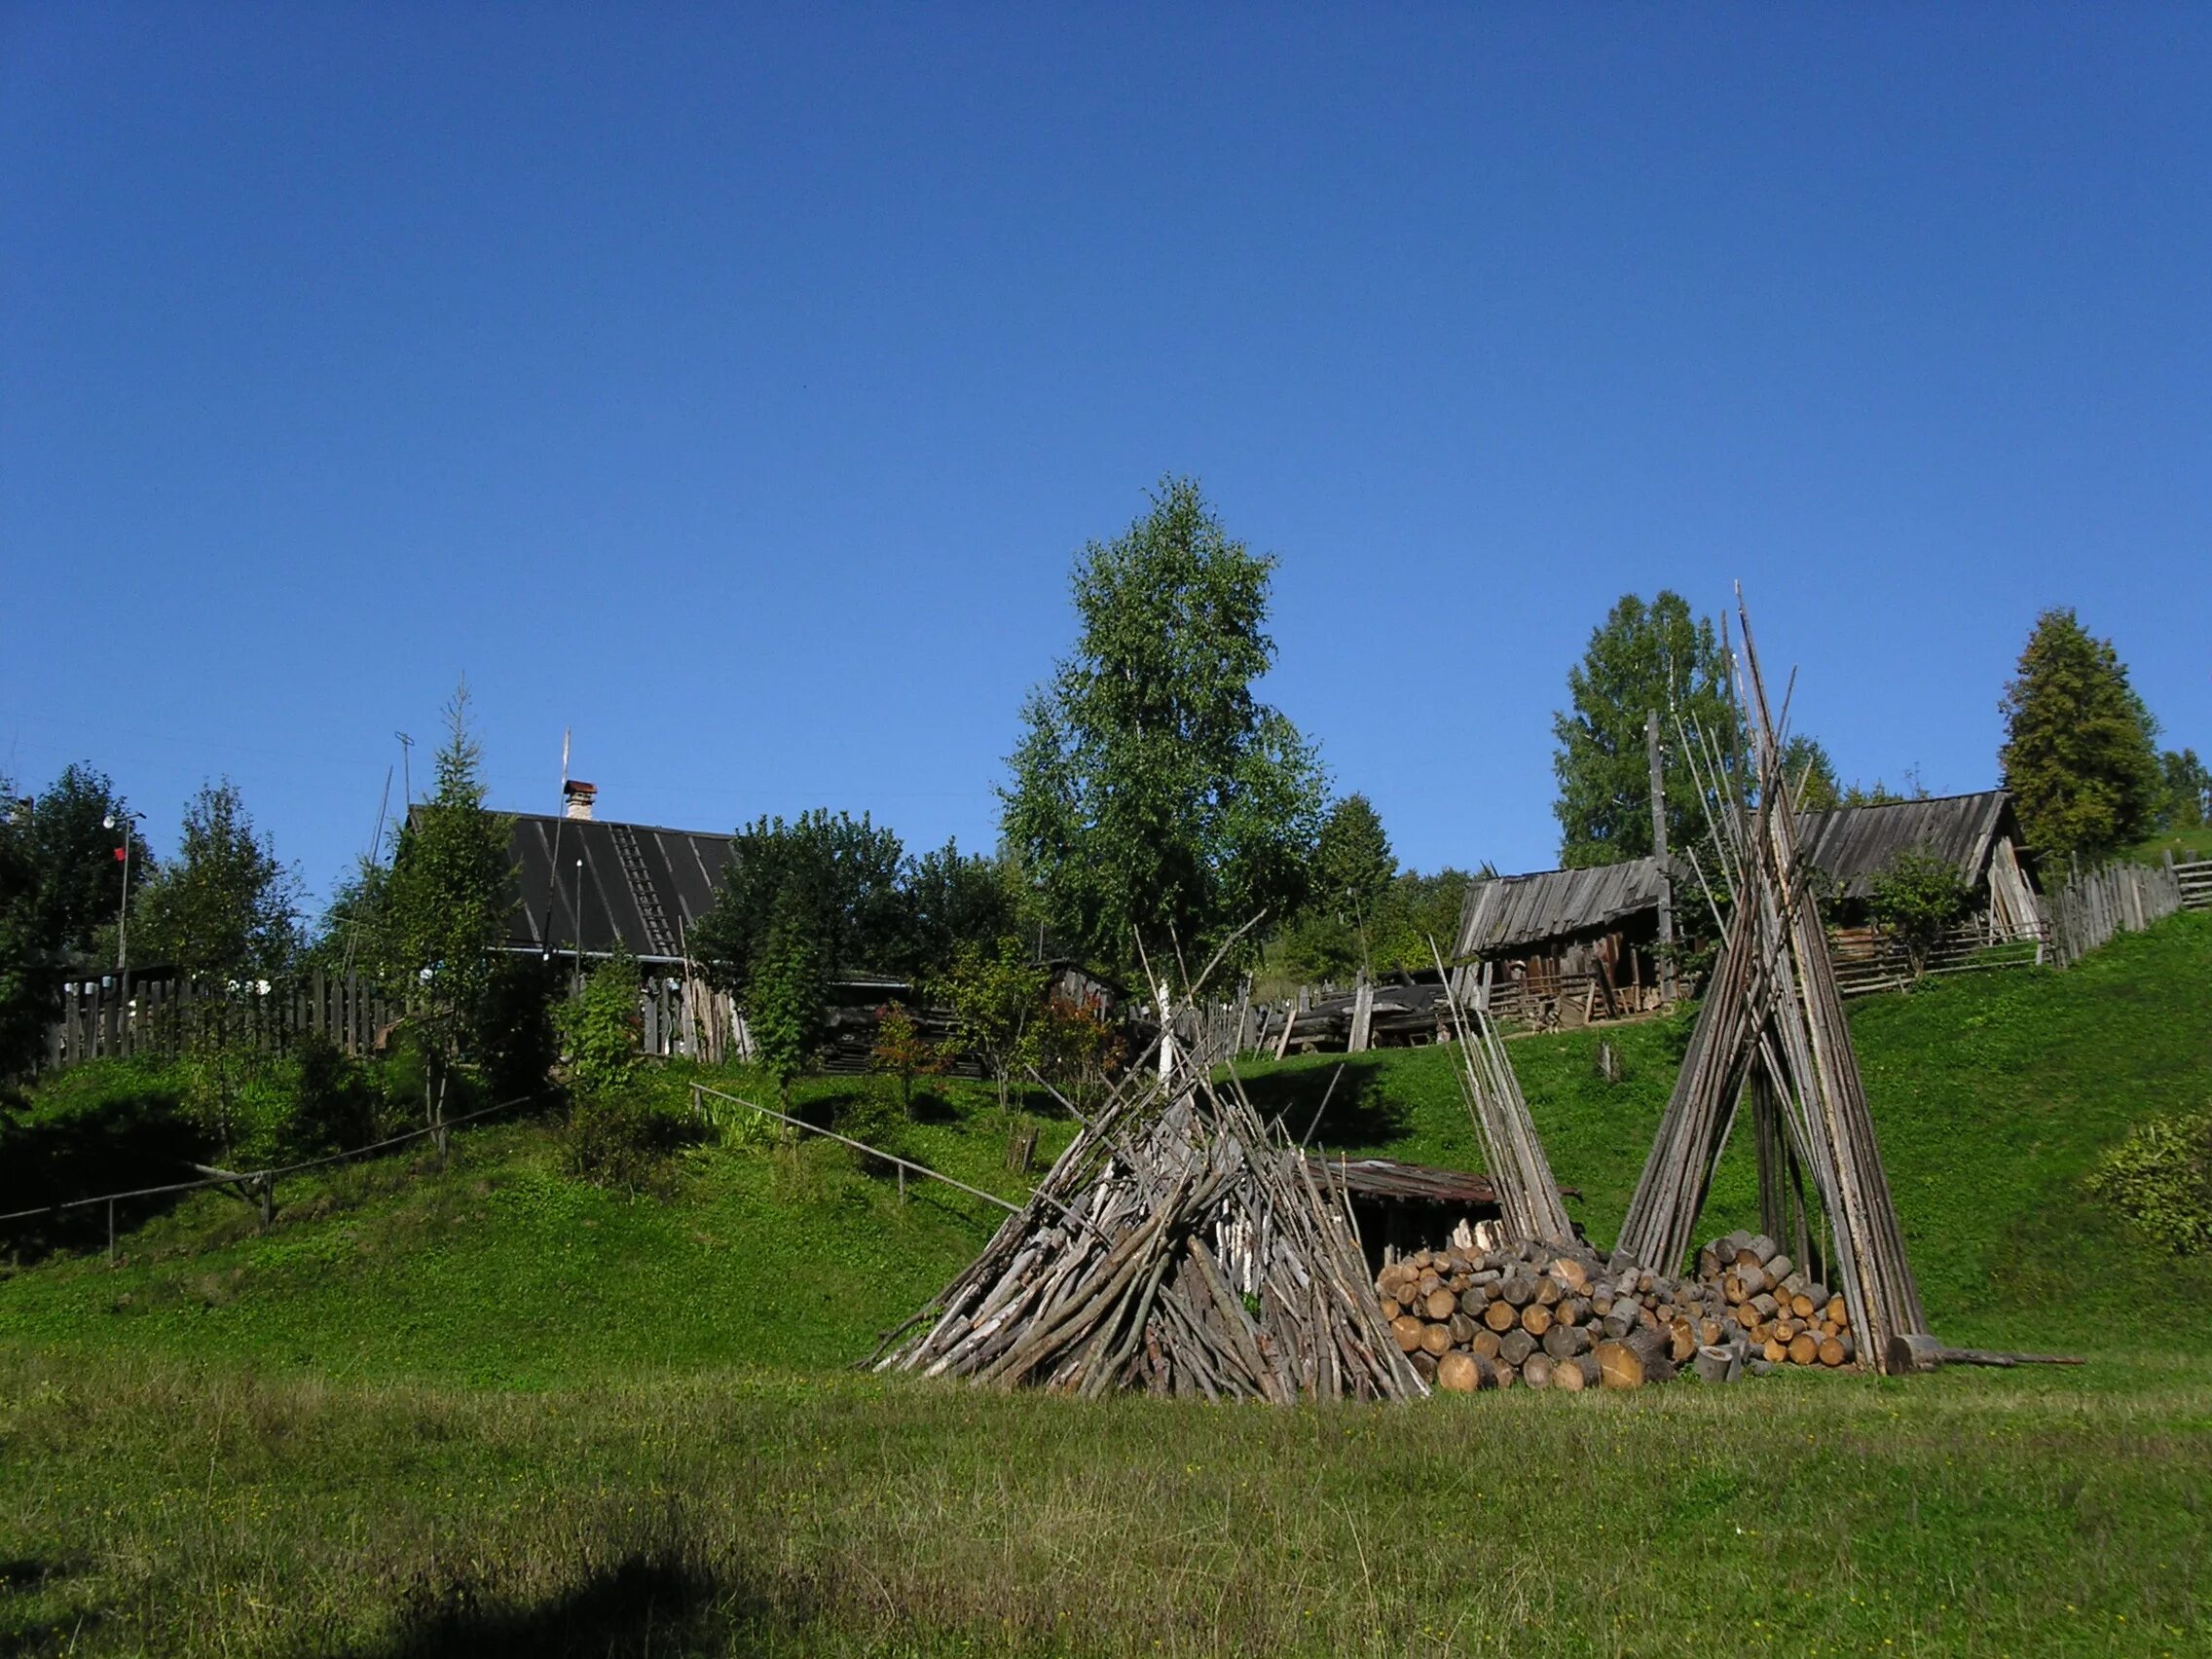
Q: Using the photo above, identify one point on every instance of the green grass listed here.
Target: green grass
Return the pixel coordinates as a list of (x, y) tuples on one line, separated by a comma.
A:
[(1977, 1514), (2184, 844), (1992, 1096), (491, 1407), (503, 1271)]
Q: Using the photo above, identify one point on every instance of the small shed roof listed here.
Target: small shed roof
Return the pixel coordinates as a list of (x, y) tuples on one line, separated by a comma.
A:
[(1388, 1179), (1416, 1183), (1509, 910), (1854, 845)]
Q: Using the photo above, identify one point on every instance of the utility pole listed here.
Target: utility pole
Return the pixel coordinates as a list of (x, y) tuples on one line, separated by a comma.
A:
[(1659, 851)]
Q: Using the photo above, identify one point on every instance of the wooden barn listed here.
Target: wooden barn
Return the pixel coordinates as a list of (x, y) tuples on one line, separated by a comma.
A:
[(1563, 947), (1566, 946), (1978, 834)]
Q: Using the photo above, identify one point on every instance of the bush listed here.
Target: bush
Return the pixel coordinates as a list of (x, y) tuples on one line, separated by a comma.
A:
[(2159, 1179), (621, 1141), (601, 1026), (1919, 899), (518, 1037), (338, 1103)]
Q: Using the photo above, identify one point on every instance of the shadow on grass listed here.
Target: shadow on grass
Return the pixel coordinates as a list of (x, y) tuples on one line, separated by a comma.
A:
[(139, 1139), (25, 1628), (1359, 1114), (649, 1602)]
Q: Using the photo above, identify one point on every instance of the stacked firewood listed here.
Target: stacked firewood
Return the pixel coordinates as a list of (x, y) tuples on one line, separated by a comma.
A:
[(1786, 1316), (1547, 1316), (1554, 1316)]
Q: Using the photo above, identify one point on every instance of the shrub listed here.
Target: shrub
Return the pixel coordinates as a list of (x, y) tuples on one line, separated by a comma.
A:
[(1919, 897), (337, 1109), (2159, 1179), (620, 1140), (902, 1051), (601, 1025)]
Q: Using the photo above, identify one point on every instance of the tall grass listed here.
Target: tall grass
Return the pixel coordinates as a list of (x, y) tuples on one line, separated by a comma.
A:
[(164, 1509)]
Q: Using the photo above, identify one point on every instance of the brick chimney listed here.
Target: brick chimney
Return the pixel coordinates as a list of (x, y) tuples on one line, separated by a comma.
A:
[(579, 796)]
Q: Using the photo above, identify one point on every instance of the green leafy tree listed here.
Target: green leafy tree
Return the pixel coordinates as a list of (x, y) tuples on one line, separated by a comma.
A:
[(1153, 794), (1644, 658), (1917, 899), (445, 906), (1415, 910), (225, 914), (997, 998), (30, 967), (601, 1025), (2080, 752), (74, 837), (226, 910), (838, 876), (785, 993), (2188, 790), (953, 899), (901, 1051)]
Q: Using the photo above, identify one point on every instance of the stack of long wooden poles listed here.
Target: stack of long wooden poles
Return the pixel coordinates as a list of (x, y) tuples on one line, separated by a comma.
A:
[(1772, 1007), (1181, 1245), (1527, 1197)]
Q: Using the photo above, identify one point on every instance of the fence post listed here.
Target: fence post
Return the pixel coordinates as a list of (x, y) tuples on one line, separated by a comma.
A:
[(111, 1233)]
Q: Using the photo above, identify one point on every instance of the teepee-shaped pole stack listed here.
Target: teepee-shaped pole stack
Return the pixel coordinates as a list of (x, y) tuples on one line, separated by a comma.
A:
[(1772, 1010)]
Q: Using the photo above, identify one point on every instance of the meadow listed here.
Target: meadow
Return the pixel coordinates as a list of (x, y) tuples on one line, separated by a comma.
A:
[(491, 1407)]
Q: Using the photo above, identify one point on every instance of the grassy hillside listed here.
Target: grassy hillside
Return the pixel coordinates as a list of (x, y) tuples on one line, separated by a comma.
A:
[(1992, 1094), (492, 1409), (503, 1269)]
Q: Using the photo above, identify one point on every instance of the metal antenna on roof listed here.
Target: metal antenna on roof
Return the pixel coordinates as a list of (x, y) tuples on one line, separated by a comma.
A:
[(406, 771)]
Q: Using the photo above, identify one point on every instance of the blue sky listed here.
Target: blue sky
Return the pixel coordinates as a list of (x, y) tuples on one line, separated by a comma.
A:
[(735, 386)]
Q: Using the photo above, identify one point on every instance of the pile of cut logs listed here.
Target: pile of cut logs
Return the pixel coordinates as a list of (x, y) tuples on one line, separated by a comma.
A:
[(1548, 1317), (1786, 1316)]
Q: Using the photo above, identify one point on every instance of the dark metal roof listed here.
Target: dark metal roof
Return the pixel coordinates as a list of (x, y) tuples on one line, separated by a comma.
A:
[(1854, 845), (1509, 910), (639, 884)]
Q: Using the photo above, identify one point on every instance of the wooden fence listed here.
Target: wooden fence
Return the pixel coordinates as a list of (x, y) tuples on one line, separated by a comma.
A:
[(2195, 880), (154, 1012), (2091, 908)]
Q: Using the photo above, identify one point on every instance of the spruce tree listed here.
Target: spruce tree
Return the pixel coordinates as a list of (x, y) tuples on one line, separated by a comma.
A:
[(2080, 752)]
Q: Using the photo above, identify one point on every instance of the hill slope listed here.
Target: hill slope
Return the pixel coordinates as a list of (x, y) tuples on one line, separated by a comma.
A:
[(1992, 1096)]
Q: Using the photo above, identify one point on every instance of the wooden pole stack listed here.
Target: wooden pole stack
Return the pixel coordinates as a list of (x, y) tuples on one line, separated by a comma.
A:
[(1773, 1008), (1180, 1246), (1527, 1197)]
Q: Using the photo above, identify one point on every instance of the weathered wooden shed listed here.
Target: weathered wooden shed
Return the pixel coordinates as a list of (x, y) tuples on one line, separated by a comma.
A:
[(1978, 834), (1564, 945)]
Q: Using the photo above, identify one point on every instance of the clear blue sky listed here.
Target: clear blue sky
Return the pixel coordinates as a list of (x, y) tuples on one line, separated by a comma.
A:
[(735, 386)]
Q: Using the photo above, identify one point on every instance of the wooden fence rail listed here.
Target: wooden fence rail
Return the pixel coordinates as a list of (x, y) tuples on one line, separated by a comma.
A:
[(2091, 908), (2195, 878), (154, 1010)]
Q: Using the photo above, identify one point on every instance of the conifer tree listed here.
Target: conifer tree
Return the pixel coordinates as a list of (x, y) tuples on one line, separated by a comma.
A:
[(2080, 752)]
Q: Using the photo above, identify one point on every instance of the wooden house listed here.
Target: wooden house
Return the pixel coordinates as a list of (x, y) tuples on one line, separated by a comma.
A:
[(1564, 947)]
